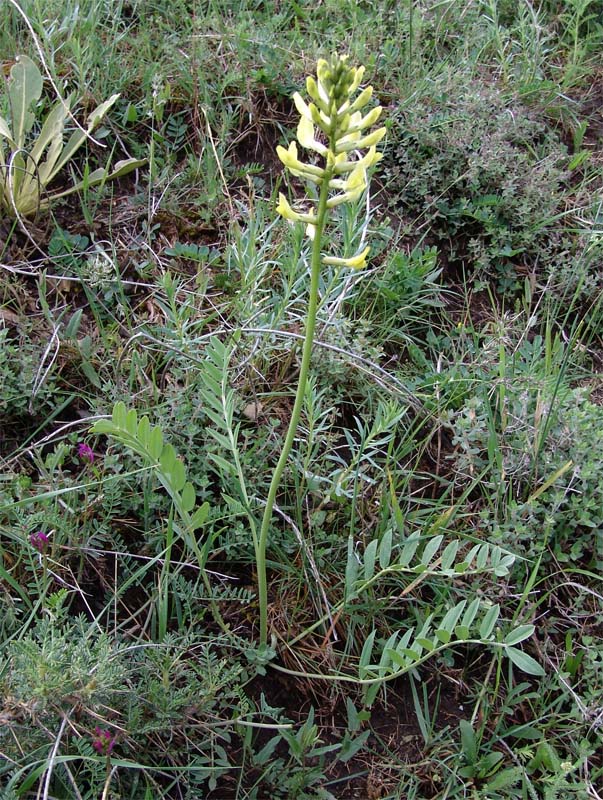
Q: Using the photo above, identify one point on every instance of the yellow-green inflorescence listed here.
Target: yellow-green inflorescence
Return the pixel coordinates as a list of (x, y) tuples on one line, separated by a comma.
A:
[(336, 111), (334, 115)]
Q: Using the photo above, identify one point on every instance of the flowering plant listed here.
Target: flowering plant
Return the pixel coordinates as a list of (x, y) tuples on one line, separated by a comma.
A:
[(334, 126)]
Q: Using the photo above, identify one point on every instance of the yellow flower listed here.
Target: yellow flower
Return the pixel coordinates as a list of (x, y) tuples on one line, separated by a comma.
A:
[(299, 169), (355, 262), (354, 142), (305, 136), (285, 210)]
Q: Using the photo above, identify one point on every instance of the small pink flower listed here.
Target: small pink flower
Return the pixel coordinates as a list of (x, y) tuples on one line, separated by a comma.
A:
[(103, 741), (39, 541), (85, 452)]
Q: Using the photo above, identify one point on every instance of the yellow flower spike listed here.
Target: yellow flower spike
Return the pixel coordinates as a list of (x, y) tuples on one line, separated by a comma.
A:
[(335, 110), (305, 136), (355, 262)]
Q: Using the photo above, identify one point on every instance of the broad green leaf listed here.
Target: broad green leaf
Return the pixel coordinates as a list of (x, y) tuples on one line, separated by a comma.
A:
[(178, 476), (385, 549), (369, 559), (385, 659), (6, 133), (449, 554), (99, 112), (409, 549), (200, 516), (489, 621), (100, 175), (426, 644), (412, 655), (472, 554), (103, 426), (431, 549), (189, 497), (443, 635), (367, 651), (155, 442), (24, 89), (470, 613), (451, 618), (51, 136), (482, 556), (168, 459), (119, 415), (132, 422), (507, 777), (468, 741), (398, 659), (519, 634), (525, 662), (351, 571), (503, 567), (349, 746), (144, 432)]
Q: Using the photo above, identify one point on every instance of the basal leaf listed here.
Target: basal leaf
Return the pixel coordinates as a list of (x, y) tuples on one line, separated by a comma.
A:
[(24, 90)]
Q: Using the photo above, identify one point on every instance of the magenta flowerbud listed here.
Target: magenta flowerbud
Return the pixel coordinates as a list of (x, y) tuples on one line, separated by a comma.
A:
[(39, 541), (103, 741), (85, 452)]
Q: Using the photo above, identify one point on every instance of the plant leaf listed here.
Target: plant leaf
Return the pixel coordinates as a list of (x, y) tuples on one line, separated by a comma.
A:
[(24, 89), (524, 662), (519, 634)]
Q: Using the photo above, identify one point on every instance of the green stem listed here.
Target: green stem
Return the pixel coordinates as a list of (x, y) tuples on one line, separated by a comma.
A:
[(321, 218)]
